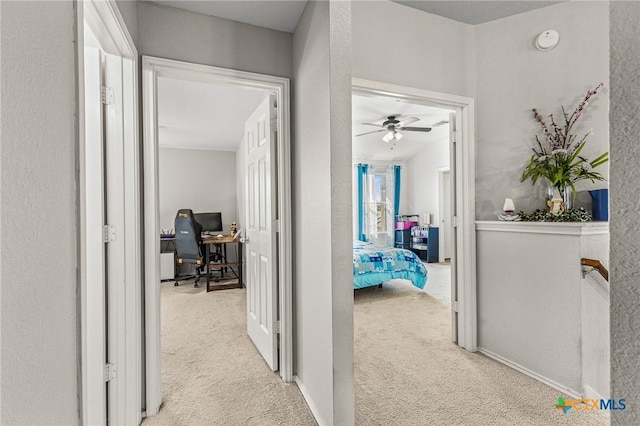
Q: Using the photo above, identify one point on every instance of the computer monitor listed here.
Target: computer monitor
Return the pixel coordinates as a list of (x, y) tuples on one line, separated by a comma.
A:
[(211, 222)]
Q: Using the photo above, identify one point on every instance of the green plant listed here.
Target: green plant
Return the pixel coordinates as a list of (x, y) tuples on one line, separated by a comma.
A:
[(558, 159), (574, 215)]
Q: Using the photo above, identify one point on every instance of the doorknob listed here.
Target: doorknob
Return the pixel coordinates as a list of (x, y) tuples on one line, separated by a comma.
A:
[(246, 240)]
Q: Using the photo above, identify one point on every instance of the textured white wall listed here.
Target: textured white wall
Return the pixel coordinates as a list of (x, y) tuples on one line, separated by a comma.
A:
[(594, 304), (322, 211), (396, 44), (513, 77), (172, 33), (424, 186), (529, 298), (39, 219), (625, 193), (200, 180)]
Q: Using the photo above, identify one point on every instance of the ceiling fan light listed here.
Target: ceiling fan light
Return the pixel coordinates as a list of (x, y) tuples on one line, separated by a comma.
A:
[(398, 136), (389, 136)]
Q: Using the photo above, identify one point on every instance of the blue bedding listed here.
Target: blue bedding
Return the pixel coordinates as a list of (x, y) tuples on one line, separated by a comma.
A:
[(376, 265)]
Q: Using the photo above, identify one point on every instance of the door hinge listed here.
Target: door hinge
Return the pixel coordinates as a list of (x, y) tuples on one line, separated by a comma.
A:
[(108, 233), (276, 327), (454, 306), (276, 225), (109, 372), (107, 95), (456, 221), (274, 124)]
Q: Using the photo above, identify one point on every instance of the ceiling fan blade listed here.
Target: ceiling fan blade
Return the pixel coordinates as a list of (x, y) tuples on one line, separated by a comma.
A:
[(416, 129), (374, 131), (406, 121), (371, 124)]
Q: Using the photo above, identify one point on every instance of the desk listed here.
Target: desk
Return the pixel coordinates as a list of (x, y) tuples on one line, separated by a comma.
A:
[(226, 239)]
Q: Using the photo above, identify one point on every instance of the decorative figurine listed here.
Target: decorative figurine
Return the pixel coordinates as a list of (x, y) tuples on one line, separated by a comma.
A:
[(556, 205), (508, 209), (234, 228)]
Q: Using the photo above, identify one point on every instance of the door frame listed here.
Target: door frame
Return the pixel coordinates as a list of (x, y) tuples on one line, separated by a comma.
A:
[(108, 26), (152, 69), (465, 262)]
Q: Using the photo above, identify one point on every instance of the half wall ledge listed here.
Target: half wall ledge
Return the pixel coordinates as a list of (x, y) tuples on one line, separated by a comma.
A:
[(557, 228)]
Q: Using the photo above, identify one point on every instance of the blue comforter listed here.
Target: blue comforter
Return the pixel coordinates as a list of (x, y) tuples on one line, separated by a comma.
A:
[(375, 265)]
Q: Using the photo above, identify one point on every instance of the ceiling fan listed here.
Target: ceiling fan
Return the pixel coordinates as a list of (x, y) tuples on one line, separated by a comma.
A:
[(392, 126)]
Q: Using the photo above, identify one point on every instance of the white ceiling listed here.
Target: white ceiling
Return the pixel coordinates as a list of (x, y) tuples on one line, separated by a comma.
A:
[(281, 15), (284, 15), (376, 109), (476, 11), (203, 116)]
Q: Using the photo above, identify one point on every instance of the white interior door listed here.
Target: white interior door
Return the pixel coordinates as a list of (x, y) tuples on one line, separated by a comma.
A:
[(445, 229), (110, 219), (451, 231), (115, 209), (260, 247), (94, 250)]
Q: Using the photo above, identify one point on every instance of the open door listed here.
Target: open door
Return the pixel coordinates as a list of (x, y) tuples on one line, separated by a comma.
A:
[(453, 226), (93, 247), (260, 239)]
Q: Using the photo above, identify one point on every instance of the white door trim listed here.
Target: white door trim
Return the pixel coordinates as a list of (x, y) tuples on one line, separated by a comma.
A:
[(152, 69), (105, 21), (465, 194)]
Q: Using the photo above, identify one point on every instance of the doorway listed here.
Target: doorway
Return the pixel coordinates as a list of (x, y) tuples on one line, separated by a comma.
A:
[(462, 169), (153, 69), (109, 210), (414, 325)]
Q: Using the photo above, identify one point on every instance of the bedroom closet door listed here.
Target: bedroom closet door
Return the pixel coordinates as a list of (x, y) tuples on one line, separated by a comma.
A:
[(261, 226)]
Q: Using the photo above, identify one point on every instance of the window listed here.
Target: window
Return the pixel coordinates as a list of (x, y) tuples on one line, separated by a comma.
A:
[(381, 203), (379, 206)]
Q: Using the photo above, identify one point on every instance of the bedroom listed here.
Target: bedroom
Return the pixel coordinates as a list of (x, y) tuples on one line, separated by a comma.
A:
[(402, 249), (402, 186)]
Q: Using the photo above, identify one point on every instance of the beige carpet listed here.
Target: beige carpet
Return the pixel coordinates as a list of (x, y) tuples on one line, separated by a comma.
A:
[(211, 372), (407, 372)]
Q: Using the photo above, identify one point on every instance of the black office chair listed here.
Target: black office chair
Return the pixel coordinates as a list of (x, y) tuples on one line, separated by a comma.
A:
[(188, 239)]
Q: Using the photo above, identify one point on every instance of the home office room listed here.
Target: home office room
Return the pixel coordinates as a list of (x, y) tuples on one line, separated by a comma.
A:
[(201, 127)]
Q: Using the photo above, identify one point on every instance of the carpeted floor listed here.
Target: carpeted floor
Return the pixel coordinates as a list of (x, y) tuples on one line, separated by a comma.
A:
[(211, 372), (407, 372), (439, 282)]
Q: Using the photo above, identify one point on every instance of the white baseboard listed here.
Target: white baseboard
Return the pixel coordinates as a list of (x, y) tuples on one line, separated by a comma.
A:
[(565, 390), (310, 403), (590, 393)]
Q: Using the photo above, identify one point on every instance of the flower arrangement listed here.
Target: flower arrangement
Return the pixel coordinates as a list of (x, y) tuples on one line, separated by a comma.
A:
[(557, 158)]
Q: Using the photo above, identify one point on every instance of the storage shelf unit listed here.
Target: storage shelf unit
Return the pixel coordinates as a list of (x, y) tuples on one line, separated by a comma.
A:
[(422, 240)]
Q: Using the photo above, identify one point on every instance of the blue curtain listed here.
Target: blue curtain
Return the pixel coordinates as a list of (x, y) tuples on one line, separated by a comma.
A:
[(396, 201), (363, 170)]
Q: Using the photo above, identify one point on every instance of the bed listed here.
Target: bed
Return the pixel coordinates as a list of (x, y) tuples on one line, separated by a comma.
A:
[(375, 265)]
